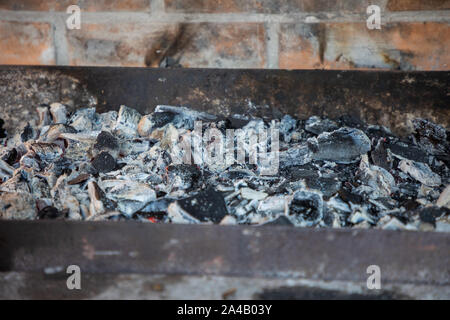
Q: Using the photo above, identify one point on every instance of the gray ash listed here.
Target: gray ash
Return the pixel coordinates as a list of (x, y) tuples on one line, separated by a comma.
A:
[(124, 166)]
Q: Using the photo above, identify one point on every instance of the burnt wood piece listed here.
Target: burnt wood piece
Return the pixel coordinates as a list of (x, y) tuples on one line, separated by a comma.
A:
[(275, 252)]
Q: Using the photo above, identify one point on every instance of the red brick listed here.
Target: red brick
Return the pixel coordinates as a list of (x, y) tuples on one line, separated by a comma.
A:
[(85, 5), (407, 46), (411, 5), (194, 44), (267, 6), (26, 43)]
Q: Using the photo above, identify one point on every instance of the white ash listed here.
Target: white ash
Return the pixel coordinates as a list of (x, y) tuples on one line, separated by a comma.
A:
[(124, 165)]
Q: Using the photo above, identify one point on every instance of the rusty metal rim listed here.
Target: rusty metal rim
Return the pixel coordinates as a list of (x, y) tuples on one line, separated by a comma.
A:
[(278, 252)]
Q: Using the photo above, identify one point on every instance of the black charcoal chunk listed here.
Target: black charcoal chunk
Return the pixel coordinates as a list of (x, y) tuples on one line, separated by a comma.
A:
[(344, 145), (425, 128), (106, 141), (307, 205), (183, 176), (348, 196), (50, 212), (160, 119), (429, 214), (403, 150), (207, 205), (379, 155), (28, 133), (10, 157), (327, 185), (431, 137), (235, 123), (104, 162)]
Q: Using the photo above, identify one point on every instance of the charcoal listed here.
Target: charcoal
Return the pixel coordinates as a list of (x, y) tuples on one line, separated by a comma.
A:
[(274, 204), (336, 204), (58, 112), (44, 115), (158, 205), (421, 172), (295, 156), (428, 129), (308, 206), (54, 131), (430, 136), (379, 179), (183, 176), (358, 217), (430, 214), (160, 119), (50, 212), (350, 197), (28, 133), (344, 145), (6, 168), (206, 206), (79, 179), (378, 133), (317, 125), (287, 126), (104, 162), (106, 141), (96, 196), (47, 152), (444, 198), (380, 157), (235, 123), (130, 196), (83, 119), (157, 120), (127, 166), (405, 151), (11, 156), (329, 186), (127, 121), (185, 112)]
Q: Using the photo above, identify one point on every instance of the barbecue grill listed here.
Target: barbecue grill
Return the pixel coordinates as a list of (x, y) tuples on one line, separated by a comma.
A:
[(277, 261)]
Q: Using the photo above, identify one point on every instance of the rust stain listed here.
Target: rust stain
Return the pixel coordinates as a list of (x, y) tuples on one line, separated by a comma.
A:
[(88, 249)]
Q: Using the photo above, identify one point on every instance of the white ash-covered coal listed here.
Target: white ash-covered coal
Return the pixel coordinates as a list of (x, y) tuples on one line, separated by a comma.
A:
[(154, 168)]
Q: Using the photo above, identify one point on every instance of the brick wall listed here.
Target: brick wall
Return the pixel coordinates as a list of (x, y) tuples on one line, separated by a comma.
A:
[(292, 34)]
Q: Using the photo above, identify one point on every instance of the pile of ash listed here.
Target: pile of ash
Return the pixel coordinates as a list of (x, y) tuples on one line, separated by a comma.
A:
[(178, 165)]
